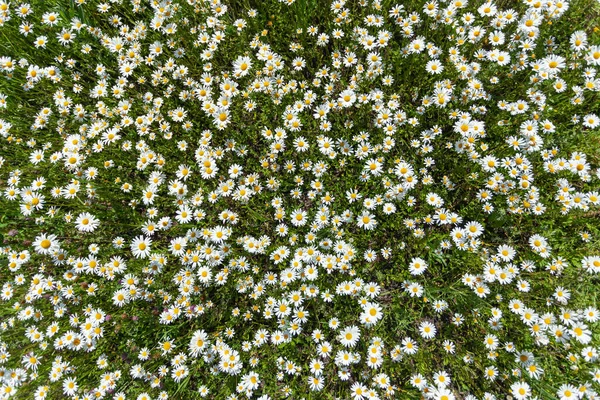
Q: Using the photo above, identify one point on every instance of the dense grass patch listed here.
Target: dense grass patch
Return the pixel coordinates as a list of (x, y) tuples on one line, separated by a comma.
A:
[(299, 199)]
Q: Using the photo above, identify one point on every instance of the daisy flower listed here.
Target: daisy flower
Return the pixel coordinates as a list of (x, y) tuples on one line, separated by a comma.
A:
[(366, 221), (86, 222), (349, 336), (46, 244), (427, 330), (140, 247), (520, 390), (417, 266)]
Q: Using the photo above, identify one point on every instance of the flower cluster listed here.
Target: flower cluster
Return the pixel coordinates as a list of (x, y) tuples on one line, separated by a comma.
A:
[(361, 198)]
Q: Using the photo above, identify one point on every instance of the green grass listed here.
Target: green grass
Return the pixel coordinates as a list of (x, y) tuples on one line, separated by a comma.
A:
[(284, 28)]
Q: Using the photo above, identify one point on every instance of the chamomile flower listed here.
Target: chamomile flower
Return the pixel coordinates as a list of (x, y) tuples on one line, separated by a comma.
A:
[(46, 244), (417, 266), (427, 330), (520, 390), (366, 221), (87, 222), (140, 247), (349, 336)]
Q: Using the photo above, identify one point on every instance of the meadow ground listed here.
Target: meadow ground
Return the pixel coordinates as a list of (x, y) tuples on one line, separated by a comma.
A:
[(299, 199)]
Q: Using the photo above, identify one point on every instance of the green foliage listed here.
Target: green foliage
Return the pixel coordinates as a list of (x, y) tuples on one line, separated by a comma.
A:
[(502, 212)]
